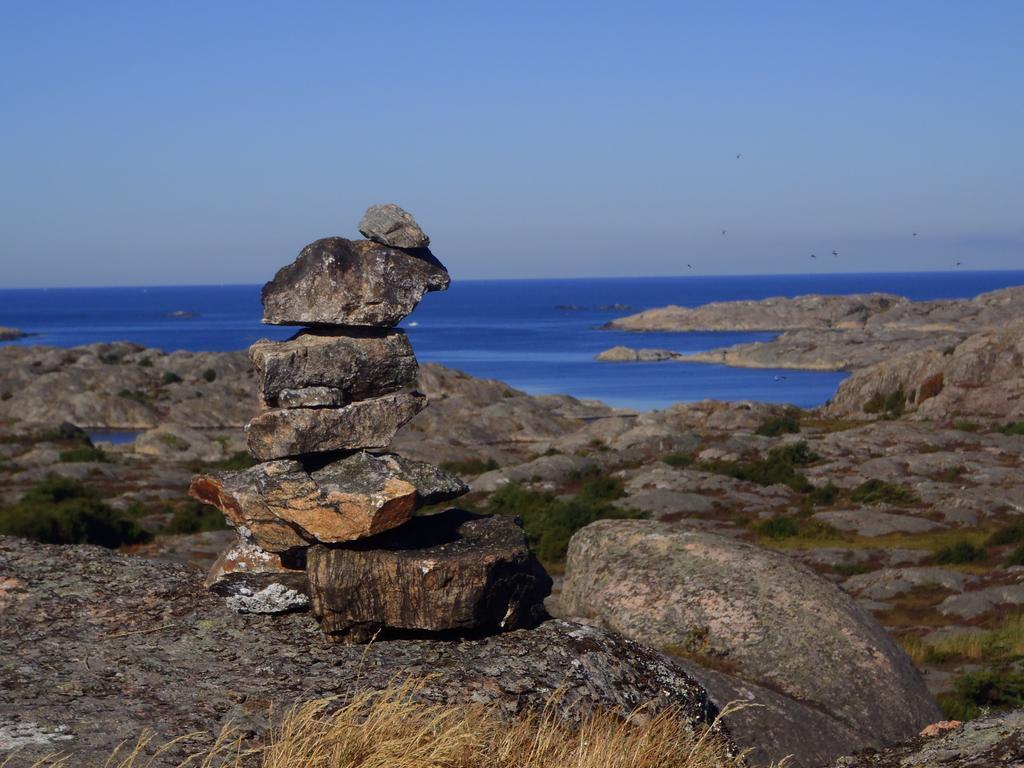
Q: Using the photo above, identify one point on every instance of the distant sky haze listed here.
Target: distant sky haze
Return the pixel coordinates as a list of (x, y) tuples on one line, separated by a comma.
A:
[(198, 142)]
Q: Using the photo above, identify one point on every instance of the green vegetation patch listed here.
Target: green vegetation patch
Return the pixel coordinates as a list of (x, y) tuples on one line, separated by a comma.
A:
[(874, 491), (960, 553), (987, 689), (193, 517), (236, 461), (778, 467), (1014, 428), (63, 511), (84, 453), (890, 405), (678, 459), (787, 423), (550, 521)]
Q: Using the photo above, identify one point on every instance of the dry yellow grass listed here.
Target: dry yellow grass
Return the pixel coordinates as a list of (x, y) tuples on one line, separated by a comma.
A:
[(395, 729)]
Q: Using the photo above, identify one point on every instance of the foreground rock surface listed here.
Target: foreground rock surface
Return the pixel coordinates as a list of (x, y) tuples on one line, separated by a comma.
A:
[(450, 572), (100, 646), (347, 365), (285, 432), (335, 281), (996, 741), (758, 614)]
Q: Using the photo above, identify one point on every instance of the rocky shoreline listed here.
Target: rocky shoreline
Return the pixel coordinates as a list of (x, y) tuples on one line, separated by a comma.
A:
[(892, 516)]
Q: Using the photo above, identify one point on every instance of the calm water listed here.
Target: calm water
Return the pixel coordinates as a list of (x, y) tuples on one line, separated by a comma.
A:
[(510, 330)]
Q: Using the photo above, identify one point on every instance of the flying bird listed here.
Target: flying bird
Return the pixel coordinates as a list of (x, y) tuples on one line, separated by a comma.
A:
[(915, 234), (738, 155), (958, 263), (723, 231), (690, 266), (813, 256), (835, 252)]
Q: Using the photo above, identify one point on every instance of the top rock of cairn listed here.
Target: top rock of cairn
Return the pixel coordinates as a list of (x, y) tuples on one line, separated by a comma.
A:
[(326, 519), (390, 225), (342, 282)]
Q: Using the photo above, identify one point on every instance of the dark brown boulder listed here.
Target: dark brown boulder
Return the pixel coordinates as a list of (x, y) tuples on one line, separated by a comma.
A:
[(332, 367), (450, 572), (391, 225), (335, 281), (284, 432)]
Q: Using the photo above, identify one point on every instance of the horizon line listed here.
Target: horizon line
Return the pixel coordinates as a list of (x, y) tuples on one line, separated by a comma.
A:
[(140, 286)]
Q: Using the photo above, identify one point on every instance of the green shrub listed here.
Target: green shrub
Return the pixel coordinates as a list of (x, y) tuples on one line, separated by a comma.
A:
[(84, 453), (1014, 428), (985, 689), (788, 423), (776, 468), (469, 466), (891, 405), (824, 495), (678, 459), (135, 395), (170, 377), (550, 522), (959, 553), (778, 528), (1016, 557), (62, 511), (880, 492), (1012, 533), (797, 454), (193, 517), (966, 426), (174, 442), (146, 362), (210, 375)]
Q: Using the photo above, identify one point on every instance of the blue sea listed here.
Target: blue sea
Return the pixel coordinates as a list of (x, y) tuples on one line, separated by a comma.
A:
[(519, 331)]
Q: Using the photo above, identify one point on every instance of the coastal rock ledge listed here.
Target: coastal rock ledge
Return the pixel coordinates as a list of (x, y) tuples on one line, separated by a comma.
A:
[(99, 646)]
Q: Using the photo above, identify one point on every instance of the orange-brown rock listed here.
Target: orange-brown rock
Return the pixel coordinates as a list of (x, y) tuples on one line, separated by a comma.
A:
[(342, 500)]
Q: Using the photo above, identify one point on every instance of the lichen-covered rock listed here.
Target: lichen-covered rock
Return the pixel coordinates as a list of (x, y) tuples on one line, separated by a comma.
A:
[(285, 432), (338, 500), (995, 741), (106, 646), (256, 581), (453, 571), (335, 281), (391, 225), (332, 367), (767, 618)]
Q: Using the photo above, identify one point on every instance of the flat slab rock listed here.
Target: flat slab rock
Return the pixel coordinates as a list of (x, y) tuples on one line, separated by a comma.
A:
[(332, 367), (284, 432), (281, 505), (100, 646), (450, 572), (335, 281)]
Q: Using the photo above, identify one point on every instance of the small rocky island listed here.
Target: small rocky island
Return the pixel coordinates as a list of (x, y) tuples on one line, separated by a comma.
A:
[(11, 334)]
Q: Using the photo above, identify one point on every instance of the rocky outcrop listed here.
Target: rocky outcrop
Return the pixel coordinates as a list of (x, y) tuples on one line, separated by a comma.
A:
[(981, 377), (390, 225), (628, 355), (99, 647), (342, 282), (995, 741), (754, 613), (10, 334)]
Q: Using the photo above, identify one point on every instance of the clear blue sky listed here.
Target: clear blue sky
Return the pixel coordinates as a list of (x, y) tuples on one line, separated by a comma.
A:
[(206, 142)]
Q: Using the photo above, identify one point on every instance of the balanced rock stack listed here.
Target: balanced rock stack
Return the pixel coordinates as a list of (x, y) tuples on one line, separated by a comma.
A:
[(326, 519)]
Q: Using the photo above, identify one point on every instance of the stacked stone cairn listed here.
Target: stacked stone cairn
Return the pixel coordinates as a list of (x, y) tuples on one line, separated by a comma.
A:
[(326, 520)]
